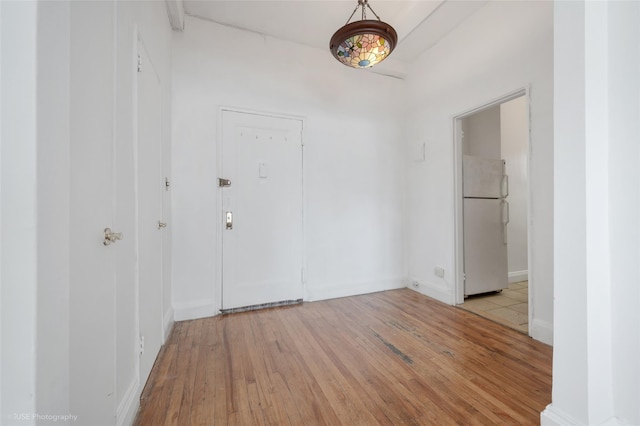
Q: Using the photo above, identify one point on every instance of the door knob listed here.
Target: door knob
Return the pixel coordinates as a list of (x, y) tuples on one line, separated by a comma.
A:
[(111, 237), (162, 224)]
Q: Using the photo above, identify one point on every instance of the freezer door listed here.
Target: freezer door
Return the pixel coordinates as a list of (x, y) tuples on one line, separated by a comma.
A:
[(485, 250), (483, 177)]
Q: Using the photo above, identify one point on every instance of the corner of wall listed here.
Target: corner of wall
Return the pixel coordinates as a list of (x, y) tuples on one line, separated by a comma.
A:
[(175, 10), (169, 320), (542, 331), (551, 416), (194, 310), (440, 293)]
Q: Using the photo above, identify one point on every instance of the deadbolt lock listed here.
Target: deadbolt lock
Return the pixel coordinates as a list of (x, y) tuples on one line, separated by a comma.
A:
[(229, 220)]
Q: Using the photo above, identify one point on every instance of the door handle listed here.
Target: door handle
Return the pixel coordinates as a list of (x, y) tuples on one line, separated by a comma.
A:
[(505, 211), (504, 186), (229, 220), (111, 237), (505, 220)]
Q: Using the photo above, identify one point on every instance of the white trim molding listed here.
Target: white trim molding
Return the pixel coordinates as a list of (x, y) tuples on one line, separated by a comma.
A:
[(168, 324), (128, 407), (194, 310), (517, 276), (439, 292), (323, 292), (551, 416), (541, 331)]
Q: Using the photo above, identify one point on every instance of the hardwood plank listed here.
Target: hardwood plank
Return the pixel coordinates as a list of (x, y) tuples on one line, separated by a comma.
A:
[(330, 375), (387, 358), (154, 396)]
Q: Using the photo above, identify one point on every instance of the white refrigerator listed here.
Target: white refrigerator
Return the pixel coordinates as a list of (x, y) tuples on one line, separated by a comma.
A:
[(486, 215)]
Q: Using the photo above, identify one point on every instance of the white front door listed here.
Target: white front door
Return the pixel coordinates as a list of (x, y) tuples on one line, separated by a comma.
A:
[(149, 186), (262, 210)]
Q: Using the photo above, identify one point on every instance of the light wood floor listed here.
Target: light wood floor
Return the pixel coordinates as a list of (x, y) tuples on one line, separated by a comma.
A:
[(391, 358)]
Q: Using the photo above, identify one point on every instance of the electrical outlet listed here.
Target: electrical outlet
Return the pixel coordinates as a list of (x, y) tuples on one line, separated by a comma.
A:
[(415, 284), (439, 272)]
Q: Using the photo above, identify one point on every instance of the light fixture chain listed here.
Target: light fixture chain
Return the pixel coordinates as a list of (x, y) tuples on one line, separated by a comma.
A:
[(367, 4), (354, 12), (364, 4)]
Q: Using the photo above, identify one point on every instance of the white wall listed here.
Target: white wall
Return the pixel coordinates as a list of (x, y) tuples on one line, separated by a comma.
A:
[(69, 339), (596, 375), (353, 176), (504, 47), (1, 196), (482, 134), (104, 43), (624, 205), (18, 210), (53, 57), (514, 137)]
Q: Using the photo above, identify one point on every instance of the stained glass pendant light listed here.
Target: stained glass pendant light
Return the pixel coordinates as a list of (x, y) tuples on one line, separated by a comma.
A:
[(362, 44)]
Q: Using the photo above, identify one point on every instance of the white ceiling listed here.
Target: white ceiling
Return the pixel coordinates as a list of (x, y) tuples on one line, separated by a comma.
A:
[(420, 24)]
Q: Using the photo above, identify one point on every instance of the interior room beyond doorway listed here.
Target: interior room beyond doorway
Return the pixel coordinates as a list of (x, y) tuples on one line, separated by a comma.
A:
[(495, 252), (510, 307)]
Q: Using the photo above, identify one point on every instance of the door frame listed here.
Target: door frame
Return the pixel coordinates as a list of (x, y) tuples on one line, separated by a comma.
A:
[(458, 255), (140, 47), (219, 216)]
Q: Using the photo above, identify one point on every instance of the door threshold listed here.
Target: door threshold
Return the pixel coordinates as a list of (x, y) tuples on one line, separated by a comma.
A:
[(260, 306)]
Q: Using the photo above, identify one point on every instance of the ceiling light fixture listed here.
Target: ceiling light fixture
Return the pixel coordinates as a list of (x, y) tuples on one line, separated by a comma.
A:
[(362, 44)]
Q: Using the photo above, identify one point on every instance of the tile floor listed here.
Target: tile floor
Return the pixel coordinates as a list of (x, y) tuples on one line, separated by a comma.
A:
[(509, 307)]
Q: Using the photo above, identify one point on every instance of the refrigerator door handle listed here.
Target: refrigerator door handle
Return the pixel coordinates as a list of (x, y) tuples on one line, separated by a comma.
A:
[(505, 220), (505, 211), (504, 186)]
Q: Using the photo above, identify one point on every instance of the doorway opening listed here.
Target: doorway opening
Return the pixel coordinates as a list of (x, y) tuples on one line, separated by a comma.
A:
[(492, 210)]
